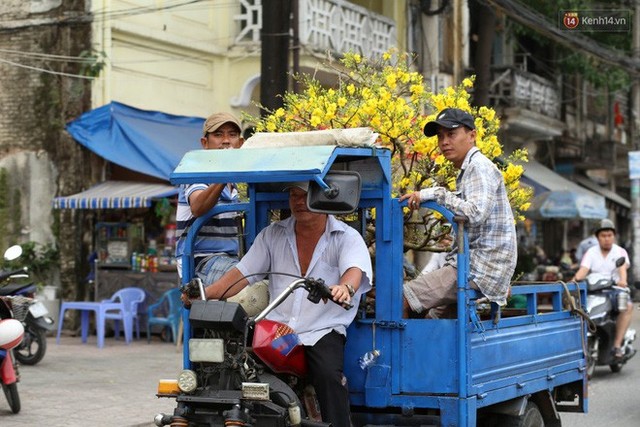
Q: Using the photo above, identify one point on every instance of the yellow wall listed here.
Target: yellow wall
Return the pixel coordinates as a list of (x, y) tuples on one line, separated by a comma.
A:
[(184, 60), (176, 60)]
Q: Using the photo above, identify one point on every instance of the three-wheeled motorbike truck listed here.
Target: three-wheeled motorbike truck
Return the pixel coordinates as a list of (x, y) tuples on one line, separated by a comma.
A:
[(489, 366)]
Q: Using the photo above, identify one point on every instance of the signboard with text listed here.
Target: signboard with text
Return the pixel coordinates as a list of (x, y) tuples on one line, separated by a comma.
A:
[(634, 165)]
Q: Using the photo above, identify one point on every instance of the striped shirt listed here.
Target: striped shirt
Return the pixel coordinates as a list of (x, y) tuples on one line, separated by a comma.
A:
[(490, 228), (218, 235)]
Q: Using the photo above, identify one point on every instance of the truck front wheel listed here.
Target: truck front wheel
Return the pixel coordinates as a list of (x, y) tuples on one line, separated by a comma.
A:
[(532, 417)]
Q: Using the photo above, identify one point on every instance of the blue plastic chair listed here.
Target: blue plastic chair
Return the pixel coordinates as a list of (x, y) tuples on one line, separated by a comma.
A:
[(128, 298), (172, 304)]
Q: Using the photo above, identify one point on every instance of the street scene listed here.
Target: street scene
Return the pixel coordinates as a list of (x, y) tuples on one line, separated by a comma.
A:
[(78, 384), (272, 213)]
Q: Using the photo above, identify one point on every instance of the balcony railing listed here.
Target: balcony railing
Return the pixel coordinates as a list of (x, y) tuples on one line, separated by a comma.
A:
[(335, 25), (515, 88)]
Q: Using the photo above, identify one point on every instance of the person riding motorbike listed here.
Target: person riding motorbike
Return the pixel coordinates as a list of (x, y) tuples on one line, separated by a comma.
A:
[(309, 244), (602, 259)]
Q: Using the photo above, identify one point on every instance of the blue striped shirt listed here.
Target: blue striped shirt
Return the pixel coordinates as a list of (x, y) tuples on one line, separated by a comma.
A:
[(218, 235)]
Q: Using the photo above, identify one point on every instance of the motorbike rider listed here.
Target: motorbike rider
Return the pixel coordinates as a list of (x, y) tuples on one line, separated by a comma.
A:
[(602, 259), (312, 245)]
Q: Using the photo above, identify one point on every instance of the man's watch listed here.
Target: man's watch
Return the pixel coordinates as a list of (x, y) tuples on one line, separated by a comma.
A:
[(351, 290)]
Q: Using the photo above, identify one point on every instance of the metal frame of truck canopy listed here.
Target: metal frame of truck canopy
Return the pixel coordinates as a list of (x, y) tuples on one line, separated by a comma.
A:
[(505, 359)]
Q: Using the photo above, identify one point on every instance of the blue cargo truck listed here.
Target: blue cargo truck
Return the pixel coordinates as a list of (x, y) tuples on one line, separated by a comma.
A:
[(489, 366)]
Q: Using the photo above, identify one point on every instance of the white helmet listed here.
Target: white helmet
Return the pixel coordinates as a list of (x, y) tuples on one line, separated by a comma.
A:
[(11, 333), (605, 224)]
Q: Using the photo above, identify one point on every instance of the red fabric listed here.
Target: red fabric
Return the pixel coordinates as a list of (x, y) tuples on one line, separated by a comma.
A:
[(618, 118)]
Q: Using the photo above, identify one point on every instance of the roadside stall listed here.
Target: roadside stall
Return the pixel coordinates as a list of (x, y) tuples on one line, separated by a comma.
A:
[(132, 211)]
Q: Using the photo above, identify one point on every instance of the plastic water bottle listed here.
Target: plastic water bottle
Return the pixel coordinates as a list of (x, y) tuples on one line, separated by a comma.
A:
[(368, 359)]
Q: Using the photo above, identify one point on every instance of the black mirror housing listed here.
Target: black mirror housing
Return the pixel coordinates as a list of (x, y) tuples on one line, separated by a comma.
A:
[(342, 196)]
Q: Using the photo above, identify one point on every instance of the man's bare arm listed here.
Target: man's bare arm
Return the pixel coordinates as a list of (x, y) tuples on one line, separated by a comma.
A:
[(227, 286), (202, 201)]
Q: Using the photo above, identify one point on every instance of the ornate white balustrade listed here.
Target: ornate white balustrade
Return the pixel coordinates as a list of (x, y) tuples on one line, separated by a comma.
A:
[(335, 25), (519, 88)]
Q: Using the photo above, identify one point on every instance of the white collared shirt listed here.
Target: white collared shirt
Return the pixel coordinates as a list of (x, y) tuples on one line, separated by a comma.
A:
[(339, 248)]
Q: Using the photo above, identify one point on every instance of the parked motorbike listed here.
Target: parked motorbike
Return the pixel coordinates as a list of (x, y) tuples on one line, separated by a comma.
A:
[(11, 334), (605, 301), (231, 383), (36, 320)]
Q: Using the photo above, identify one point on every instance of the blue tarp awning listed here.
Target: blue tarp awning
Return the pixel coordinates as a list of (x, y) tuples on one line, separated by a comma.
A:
[(116, 195), (149, 142), (557, 197)]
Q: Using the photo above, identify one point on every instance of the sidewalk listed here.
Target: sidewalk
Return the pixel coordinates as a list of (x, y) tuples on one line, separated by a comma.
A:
[(79, 384)]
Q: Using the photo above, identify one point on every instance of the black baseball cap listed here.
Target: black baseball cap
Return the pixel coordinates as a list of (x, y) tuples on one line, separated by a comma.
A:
[(449, 118)]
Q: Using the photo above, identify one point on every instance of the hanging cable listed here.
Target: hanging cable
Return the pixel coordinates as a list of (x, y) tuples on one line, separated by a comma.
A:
[(43, 70)]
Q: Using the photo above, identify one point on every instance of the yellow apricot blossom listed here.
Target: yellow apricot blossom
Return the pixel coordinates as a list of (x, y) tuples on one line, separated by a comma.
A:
[(388, 96)]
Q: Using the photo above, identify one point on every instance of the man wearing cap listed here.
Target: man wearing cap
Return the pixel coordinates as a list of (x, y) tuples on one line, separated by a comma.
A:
[(311, 245), (216, 247), (601, 259), (482, 198)]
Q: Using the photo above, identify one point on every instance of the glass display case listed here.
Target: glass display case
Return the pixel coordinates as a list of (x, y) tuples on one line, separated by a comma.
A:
[(115, 243)]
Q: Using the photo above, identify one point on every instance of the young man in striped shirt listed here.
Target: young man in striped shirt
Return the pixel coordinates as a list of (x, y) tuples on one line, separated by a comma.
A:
[(216, 246)]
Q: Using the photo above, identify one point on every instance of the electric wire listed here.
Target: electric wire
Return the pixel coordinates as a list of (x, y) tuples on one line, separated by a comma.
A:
[(101, 16), (44, 70), (538, 22), (296, 276), (48, 56)]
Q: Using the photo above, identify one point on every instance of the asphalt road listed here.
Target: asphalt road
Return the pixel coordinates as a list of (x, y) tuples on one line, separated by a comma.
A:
[(613, 398), (80, 385)]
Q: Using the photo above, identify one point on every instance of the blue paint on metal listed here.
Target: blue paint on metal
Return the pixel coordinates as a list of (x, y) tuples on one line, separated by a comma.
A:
[(454, 366), (377, 385)]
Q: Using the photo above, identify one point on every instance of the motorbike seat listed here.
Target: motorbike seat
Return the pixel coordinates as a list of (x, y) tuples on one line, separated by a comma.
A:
[(17, 288)]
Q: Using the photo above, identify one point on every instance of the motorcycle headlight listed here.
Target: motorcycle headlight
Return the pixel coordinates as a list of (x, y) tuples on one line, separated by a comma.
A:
[(206, 350), (187, 381)]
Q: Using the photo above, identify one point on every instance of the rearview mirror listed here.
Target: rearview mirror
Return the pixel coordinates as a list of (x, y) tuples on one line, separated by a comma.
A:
[(13, 252), (342, 196), (620, 261)]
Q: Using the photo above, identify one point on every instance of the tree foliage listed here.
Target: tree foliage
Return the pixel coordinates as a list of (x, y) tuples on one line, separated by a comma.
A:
[(597, 72)]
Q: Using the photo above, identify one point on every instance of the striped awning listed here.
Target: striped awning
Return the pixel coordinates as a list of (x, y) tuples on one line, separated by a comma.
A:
[(116, 195)]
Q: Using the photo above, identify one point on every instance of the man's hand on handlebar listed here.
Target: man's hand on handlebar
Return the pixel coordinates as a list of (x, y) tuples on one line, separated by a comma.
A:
[(190, 291), (340, 294)]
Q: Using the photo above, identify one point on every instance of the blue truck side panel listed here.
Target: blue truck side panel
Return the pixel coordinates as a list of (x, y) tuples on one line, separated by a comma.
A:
[(453, 366)]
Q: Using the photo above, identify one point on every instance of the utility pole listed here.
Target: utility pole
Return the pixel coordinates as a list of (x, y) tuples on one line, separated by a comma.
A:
[(275, 53), (295, 30), (633, 120), (457, 41)]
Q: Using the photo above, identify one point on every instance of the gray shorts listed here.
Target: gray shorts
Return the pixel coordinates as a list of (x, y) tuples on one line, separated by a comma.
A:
[(213, 267), (434, 289)]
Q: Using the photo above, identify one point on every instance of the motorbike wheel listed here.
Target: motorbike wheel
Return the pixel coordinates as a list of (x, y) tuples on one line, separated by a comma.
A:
[(32, 348), (11, 393), (616, 367)]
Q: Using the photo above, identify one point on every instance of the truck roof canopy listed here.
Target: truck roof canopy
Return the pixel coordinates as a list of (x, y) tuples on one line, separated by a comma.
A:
[(282, 164)]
